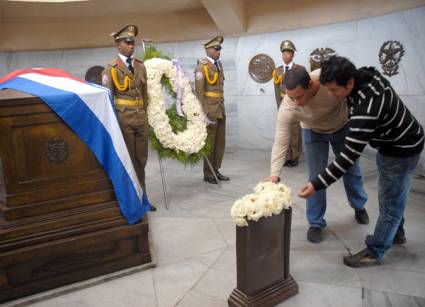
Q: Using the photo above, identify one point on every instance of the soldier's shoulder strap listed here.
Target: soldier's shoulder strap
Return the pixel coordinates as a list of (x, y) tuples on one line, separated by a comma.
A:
[(204, 61), (138, 60), (114, 63)]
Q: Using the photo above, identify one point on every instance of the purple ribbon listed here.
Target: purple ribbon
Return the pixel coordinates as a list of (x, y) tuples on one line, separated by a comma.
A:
[(180, 87), (180, 91)]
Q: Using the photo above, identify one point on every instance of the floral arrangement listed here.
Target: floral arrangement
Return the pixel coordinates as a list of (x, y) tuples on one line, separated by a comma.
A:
[(183, 138), (269, 198)]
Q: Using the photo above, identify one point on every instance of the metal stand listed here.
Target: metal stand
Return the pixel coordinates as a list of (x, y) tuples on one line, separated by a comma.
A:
[(212, 170), (164, 186)]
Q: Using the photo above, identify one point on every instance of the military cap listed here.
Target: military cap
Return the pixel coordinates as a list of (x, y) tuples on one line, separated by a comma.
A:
[(215, 42), (287, 45), (127, 33)]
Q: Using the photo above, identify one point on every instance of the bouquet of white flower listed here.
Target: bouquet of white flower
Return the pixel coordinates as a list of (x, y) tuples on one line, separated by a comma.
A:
[(269, 198)]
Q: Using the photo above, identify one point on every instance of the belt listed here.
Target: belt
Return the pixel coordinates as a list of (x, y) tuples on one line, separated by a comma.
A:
[(213, 94), (282, 94), (129, 102)]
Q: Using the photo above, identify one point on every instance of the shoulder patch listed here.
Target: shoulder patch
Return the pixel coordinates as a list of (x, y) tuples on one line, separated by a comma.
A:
[(105, 80), (204, 61), (199, 75)]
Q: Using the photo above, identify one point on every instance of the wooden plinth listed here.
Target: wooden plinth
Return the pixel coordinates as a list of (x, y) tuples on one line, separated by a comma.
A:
[(262, 252), (59, 219)]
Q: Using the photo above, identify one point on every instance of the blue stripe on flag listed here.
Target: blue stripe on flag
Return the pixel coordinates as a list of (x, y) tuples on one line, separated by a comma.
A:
[(75, 113)]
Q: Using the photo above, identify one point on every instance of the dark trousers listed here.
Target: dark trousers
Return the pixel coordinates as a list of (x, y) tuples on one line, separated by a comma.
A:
[(218, 139), (135, 128)]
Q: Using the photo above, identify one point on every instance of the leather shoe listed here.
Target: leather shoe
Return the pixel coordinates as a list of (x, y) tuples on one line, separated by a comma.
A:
[(361, 216), (221, 177), (315, 235), (291, 163), (363, 258), (210, 180)]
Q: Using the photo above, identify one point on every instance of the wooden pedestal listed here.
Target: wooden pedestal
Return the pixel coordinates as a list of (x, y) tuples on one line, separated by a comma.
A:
[(262, 252), (59, 220)]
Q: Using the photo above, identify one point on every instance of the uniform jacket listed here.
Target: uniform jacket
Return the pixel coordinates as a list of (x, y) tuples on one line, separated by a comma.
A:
[(213, 107), (138, 84)]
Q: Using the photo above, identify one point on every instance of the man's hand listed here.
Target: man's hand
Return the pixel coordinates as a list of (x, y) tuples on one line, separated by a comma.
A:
[(273, 179), (307, 191)]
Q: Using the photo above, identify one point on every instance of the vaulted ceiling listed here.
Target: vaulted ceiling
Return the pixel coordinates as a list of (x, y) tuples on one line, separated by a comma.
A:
[(61, 24)]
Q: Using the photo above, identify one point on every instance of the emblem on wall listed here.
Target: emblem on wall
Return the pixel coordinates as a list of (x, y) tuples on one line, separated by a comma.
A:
[(390, 56), (56, 150), (319, 55), (261, 68)]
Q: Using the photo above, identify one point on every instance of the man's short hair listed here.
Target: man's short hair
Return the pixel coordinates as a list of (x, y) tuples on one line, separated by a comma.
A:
[(337, 69), (298, 75)]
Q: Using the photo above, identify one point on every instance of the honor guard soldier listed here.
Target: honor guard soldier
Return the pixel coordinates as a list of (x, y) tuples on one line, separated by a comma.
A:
[(126, 78), (209, 79), (288, 49)]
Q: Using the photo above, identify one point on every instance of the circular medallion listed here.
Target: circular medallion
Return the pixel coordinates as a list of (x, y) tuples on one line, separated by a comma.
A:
[(261, 68)]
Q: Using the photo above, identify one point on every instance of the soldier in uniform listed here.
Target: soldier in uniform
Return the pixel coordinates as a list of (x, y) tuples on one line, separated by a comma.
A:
[(209, 78), (126, 78), (288, 49)]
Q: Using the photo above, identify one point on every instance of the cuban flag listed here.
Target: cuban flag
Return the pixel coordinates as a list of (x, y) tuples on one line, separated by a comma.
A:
[(88, 110)]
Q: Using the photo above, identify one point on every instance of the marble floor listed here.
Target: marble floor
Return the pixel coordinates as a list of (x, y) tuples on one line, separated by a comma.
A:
[(194, 246)]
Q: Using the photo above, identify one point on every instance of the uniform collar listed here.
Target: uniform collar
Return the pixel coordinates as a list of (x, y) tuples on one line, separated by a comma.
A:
[(124, 58), (211, 60), (289, 65)]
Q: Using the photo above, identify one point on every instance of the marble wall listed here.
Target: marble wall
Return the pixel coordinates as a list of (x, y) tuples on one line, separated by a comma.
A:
[(250, 106)]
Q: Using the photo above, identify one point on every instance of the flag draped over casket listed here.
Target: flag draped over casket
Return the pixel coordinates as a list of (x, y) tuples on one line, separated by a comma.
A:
[(87, 109)]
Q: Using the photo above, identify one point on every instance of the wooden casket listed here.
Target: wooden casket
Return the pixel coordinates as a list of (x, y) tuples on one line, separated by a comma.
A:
[(59, 219)]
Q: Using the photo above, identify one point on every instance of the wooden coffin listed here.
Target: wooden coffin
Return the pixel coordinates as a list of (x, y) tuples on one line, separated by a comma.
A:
[(59, 219)]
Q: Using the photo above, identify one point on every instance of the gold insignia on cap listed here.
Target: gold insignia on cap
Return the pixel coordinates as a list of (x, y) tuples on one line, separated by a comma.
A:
[(215, 42), (287, 45), (127, 32)]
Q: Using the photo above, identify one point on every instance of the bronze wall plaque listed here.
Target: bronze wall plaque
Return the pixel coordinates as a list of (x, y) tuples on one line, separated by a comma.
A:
[(319, 55), (390, 56), (261, 68)]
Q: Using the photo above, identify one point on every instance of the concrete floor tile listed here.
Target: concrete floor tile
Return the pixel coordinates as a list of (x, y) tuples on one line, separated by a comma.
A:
[(217, 284), (386, 299), (322, 267), (196, 299), (386, 278), (176, 238), (316, 294)]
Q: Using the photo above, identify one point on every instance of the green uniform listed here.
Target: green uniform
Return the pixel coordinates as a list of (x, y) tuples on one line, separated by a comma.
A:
[(212, 100)]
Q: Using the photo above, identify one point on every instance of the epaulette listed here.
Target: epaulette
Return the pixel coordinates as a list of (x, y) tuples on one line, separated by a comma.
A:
[(136, 59), (114, 62), (204, 61)]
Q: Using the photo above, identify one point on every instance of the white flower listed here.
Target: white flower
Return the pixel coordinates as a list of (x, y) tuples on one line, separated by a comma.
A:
[(269, 199), (192, 140)]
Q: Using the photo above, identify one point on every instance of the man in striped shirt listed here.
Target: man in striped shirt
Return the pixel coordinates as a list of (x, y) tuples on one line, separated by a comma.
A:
[(377, 117)]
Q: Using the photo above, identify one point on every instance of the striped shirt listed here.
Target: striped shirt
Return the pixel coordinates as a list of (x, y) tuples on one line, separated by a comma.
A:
[(378, 117)]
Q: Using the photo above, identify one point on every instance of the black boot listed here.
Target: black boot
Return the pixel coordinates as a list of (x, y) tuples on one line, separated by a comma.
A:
[(221, 177)]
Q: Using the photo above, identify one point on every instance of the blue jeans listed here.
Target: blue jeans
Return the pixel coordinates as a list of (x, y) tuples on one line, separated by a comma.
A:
[(394, 182), (316, 149)]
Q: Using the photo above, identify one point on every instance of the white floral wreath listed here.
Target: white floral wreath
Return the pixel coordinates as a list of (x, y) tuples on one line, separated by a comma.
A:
[(192, 140)]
